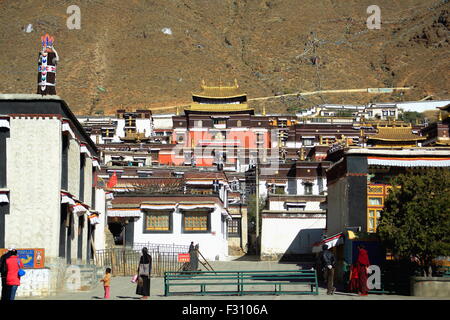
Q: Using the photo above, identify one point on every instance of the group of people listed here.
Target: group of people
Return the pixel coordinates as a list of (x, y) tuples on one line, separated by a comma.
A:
[(9, 267), (358, 271), (142, 277)]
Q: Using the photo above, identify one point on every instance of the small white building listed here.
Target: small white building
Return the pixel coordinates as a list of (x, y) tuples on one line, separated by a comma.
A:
[(294, 216), (382, 111), (112, 129), (174, 219), (291, 225)]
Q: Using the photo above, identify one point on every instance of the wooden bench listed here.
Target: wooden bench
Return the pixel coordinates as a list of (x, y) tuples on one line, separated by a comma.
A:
[(235, 282)]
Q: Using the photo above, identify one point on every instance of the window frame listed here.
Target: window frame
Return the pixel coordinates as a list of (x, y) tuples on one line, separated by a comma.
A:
[(375, 205), (168, 212), (237, 234), (376, 217), (308, 185), (185, 213)]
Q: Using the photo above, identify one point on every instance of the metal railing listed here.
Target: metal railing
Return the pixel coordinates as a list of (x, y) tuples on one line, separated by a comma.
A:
[(125, 261)]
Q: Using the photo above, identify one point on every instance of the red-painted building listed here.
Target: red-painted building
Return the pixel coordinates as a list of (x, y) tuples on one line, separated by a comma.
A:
[(218, 129)]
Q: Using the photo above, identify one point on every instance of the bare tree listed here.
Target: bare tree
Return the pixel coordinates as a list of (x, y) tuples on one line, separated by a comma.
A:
[(159, 186)]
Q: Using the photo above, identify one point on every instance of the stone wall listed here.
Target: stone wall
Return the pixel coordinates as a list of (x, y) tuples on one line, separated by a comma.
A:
[(430, 287)]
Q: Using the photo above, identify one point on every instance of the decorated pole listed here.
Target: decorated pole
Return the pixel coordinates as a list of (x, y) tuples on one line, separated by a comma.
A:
[(48, 58)]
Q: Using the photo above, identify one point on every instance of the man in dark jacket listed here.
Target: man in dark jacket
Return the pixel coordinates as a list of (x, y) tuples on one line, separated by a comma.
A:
[(3, 270), (328, 265)]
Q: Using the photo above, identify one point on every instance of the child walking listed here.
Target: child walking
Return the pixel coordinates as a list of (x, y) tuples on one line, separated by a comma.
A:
[(353, 285), (107, 282)]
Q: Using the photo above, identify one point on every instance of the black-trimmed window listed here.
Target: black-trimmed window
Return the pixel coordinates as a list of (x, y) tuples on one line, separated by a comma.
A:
[(158, 221), (65, 163), (4, 210), (308, 188), (81, 221), (196, 221), (82, 168), (4, 134), (307, 141), (234, 227), (4, 206), (108, 133)]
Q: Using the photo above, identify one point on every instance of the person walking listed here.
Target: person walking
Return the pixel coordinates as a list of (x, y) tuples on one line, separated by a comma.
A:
[(362, 264), (107, 282), (353, 283), (13, 264), (328, 265), (3, 271), (144, 272), (193, 257)]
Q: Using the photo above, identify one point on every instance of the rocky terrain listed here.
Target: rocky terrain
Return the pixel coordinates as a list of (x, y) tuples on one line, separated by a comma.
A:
[(151, 53)]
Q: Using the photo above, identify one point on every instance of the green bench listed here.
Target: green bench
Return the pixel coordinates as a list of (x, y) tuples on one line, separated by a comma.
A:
[(445, 272), (240, 282)]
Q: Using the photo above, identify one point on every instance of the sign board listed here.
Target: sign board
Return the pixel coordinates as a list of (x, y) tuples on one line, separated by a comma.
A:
[(380, 90), (33, 258), (184, 257)]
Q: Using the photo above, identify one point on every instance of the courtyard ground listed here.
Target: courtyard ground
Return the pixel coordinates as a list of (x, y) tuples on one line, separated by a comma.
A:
[(123, 289)]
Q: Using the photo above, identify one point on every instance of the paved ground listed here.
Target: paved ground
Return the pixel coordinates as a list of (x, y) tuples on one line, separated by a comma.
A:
[(123, 289)]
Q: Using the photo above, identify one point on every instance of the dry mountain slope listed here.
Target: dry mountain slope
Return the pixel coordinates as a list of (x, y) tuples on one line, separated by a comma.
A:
[(121, 58)]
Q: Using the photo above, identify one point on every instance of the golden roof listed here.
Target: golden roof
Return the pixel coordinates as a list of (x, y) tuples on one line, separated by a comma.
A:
[(219, 92), (134, 136), (218, 107), (395, 134)]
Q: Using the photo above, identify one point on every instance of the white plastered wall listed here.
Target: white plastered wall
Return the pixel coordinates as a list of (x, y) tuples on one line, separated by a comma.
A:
[(298, 235), (99, 233), (34, 180)]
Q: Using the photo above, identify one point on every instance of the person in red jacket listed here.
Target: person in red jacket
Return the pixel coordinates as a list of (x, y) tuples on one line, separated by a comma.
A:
[(13, 263), (353, 283), (3, 271)]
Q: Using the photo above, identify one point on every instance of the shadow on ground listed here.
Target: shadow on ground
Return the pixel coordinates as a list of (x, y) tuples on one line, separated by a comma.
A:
[(247, 258)]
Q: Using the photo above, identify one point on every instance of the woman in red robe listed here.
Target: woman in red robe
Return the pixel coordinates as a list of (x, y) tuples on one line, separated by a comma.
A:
[(362, 263)]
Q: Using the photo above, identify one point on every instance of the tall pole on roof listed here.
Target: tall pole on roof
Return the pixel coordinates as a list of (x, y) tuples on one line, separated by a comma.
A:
[(257, 204)]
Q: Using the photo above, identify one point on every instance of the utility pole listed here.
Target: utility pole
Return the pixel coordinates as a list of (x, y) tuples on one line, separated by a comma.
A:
[(257, 204)]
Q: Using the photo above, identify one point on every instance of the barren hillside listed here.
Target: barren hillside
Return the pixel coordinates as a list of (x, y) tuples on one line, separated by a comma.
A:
[(122, 58)]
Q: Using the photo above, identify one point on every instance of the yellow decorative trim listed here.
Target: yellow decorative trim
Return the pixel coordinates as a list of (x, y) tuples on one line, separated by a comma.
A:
[(218, 107)]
